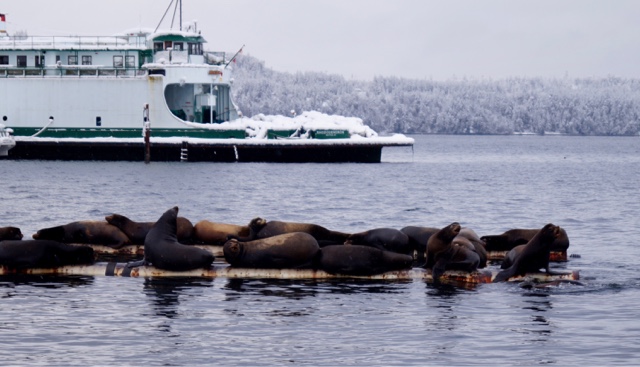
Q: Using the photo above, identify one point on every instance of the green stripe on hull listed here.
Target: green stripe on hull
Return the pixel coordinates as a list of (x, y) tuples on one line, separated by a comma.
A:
[(130, 133)]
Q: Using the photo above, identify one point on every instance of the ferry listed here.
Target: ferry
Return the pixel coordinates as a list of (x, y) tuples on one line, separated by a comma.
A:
[(96, 97)]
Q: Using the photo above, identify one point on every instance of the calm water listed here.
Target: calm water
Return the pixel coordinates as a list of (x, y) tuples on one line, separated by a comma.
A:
[(588, 185)]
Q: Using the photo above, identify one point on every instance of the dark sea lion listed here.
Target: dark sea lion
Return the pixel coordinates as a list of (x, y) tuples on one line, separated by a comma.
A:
[(137, 231), (388, 239), (518, 236), (285, 251), (42, 254), (443, 254), (324, 236), (470, 239), (534, 255), (213, 233), (10, 233), (163, 251), (85, 232), (511, 256), (361, 260), (418, 237)]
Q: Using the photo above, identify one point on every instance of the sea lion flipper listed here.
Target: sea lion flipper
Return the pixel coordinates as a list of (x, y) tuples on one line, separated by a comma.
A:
[(505, 274), (438, 269), (135, 264)]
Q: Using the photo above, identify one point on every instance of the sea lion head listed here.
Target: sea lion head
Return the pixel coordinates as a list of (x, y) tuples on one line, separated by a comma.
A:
[(56, 233), (448, 233), (13, 233), (116, 219), (233, 250), (550, 232), (257, 223)]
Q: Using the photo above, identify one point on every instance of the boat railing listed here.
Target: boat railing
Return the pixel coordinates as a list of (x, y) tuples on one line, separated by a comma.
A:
[(70, 71), (215, 57), (66, 42)]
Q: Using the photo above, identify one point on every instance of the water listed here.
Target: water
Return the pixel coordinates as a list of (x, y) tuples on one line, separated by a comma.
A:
[(588, 185)]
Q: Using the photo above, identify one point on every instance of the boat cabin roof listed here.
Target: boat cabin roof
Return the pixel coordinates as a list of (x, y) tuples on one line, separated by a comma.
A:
[(131, 40)]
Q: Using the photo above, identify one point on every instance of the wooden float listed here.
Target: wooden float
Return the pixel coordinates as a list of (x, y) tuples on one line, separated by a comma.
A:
[(226, 271)]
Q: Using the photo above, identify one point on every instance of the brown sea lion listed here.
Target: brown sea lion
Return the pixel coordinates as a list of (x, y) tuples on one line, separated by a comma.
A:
[(324, 236), (418, 237), (163, 251), (137, 231), (285, 251), (361, 260), (534, 255), (85, 232), (443, 254), (42, 254), (213, 233), (388, 239), (10, 233), (518, 236)]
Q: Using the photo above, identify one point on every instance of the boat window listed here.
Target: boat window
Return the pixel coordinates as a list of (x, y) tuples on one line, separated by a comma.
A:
[(22, 61), (4, 60), (130, 61), (167, 44), (39, 61), (72, 60), (157, 46), (86, 60), (178, 46), (195, 48), (118, 61), (57, 59)]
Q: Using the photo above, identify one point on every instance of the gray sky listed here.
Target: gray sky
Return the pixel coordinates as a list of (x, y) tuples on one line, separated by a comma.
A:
[(364, 38)]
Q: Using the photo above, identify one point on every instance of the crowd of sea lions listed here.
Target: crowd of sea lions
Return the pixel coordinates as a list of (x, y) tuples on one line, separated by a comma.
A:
[(168, 244)]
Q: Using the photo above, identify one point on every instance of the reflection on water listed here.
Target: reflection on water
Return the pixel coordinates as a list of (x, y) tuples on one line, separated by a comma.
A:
[(165, 293), (294, 289), (44, 281), (540, 304)]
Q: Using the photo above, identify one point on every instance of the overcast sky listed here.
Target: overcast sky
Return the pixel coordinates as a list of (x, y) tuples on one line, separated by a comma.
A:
[(363, 38)]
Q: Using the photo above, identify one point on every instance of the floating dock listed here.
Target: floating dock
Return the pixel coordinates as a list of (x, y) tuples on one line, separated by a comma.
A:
[(226, 271)]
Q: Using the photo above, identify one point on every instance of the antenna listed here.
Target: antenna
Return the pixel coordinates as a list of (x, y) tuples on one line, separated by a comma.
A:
[(165, 14)]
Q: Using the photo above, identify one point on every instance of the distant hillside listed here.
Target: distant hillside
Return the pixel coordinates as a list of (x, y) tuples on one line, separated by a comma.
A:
[(606, 106)]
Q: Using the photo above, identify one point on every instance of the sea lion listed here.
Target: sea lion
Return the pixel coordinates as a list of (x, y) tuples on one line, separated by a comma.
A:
[(444, 254), (10, 233), (137, 231), (361, 260), (28, 254), (212, 233), (163, 251), (534, 255), (518, 236), (285, 251), (470, 239), (85, 232), (388, 239), (324, 236), (511, 256), (418, 237)]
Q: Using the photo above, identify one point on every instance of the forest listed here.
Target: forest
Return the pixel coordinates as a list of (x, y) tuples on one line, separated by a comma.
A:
[(587, 106)]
